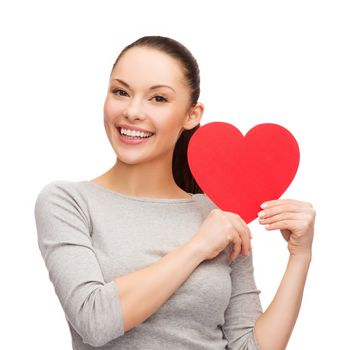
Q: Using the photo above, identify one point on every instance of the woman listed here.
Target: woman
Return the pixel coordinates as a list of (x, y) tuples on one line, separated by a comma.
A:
[(139, 257)]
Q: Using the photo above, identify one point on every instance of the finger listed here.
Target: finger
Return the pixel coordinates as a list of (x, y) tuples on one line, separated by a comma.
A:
[(236, 244), (276, 202), (246, 239), (283, 225), (243, 231), (278, 217), (281, 208), (240, 225), (249, 232)]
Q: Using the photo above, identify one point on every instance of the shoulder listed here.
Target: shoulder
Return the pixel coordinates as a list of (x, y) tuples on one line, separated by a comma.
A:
[(208, 202), (205, 203), (56, 187), (61, 199), (59, 193)]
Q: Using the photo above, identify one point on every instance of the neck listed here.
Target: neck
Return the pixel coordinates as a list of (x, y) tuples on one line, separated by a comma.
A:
[(151, 179)]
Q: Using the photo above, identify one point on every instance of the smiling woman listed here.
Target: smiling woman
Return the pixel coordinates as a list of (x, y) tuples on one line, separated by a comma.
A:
[(152, 89), (139, 257)]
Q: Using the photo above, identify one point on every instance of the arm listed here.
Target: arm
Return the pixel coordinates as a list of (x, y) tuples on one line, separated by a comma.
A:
[(275, 326), (244, 306), (142, 292), (63, 231), (295, 220), (100, 311)]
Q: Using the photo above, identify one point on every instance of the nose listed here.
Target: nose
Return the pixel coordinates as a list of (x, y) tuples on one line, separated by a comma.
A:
[(134, 110)]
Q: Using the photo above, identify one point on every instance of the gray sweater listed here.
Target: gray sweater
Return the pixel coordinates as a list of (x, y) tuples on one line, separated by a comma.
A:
[(88, 235)]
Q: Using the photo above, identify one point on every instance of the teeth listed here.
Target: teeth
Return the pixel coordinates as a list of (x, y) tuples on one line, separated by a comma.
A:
[(134, 133)]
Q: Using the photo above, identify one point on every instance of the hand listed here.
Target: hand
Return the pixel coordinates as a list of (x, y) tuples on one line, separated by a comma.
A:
[(219, 229), (295, 220)]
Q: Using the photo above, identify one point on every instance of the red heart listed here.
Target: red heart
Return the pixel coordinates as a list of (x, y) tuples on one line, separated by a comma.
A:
[(238, 172)]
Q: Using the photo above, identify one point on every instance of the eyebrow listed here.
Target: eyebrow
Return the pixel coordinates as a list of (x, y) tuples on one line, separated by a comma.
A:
[(151, 88)]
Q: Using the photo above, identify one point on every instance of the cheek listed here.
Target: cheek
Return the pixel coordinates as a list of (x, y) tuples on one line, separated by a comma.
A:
[(111, 109), (168, 125), (170, 119)]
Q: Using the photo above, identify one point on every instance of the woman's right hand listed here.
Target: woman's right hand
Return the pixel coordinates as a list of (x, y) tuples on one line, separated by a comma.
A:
[(219, 229)]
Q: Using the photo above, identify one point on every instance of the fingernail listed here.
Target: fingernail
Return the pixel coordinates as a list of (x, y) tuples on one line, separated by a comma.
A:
[(261, 214), (263, 205)]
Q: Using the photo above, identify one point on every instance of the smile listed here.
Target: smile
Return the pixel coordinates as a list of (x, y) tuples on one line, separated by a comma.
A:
[(134, 133), (132, 137)]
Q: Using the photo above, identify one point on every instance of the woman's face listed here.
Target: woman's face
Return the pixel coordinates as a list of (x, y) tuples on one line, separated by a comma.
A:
[(147, 90)]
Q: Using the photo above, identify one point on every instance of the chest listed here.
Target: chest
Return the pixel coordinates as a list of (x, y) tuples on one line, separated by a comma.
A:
[(128, 242)]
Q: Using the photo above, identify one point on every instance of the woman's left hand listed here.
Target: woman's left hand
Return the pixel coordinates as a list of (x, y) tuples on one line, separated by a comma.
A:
[(295, 220)]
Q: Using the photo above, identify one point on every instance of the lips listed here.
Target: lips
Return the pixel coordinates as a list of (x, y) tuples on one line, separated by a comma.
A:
[(132, 140), (124, 135), (119, 131), (124, 126)]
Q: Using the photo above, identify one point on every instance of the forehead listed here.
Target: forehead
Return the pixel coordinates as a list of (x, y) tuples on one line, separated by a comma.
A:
[(147, 65)]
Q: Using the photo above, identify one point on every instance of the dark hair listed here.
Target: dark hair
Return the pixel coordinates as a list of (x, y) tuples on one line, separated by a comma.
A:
[(180, 168)]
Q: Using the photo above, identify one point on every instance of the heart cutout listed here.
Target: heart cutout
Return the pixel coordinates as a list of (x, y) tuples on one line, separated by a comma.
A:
[(238, 172)]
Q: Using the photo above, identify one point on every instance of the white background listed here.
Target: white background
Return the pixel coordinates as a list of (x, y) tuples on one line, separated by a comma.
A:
[(262, 61)]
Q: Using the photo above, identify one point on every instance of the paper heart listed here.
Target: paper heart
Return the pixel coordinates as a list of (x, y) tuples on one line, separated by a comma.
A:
[(238, 172)]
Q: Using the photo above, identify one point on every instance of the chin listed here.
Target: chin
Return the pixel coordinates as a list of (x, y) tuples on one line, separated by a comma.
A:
[(127, 159)]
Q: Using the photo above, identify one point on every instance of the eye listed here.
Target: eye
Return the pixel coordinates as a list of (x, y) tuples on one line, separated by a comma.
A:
[(159, 98), (119, 92)]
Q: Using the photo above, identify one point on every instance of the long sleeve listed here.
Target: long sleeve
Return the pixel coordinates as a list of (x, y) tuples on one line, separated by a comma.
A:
[(91, 305), (244, 307)]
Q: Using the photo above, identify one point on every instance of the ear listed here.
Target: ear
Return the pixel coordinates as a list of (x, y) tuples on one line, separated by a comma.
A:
[(194, 116)]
